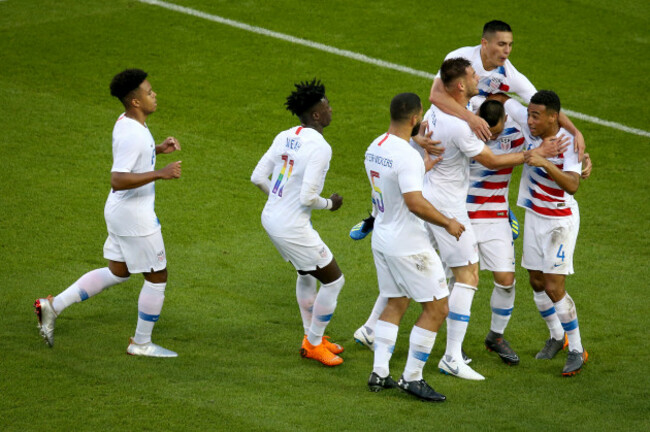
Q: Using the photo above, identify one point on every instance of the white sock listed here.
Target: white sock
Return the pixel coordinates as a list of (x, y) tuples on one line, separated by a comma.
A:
[(150, 304), (420, 346), (385, 338), (324, 307), (377, 309), (547, 311), (566, 311), (305, 294), (86, 286), (460, 303), (502, 303)]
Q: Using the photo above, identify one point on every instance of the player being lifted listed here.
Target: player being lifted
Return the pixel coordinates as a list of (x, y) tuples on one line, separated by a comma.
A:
[(407, 266), (297, 163)]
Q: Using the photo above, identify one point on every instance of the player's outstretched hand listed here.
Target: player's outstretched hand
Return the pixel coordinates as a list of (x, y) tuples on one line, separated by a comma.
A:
[(480, 127), (423, 139), (170, 145), (337, 201), (171, 171), (586, 171), (553, 146), (455, 228)]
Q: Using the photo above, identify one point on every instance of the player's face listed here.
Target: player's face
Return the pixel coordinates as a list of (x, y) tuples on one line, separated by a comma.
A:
[(418, 123), (471, 82), (496, 49), (540, 120), (147, 97)]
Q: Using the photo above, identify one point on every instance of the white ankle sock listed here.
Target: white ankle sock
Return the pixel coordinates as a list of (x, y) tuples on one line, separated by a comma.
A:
[(420, 345), (324, 307), (460, 303), (385, 338), (502, 303), (377, 309), (566, 311), (547, 311), (306, 294)]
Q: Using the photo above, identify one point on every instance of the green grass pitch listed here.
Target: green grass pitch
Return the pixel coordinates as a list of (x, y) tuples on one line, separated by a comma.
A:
[(230, 309)]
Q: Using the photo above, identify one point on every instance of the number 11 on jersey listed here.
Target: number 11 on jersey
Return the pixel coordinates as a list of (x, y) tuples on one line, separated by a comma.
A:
[(279, 183)]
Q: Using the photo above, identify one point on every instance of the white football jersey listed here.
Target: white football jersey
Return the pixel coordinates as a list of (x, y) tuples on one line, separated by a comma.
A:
[(131, 212), (297, 156), (487, 198), (446, 184), (538, 192), (503, 79), (395, 168)]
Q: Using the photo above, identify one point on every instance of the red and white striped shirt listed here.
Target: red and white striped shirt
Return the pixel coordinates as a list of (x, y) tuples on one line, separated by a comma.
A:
[(487, 197), (538, 192)]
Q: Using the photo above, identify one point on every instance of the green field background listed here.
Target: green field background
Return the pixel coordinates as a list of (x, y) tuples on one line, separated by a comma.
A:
[(230, 309)]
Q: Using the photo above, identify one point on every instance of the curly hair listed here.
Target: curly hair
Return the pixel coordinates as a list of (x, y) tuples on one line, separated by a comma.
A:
[(305, 97), (548, 98), (126, 81)]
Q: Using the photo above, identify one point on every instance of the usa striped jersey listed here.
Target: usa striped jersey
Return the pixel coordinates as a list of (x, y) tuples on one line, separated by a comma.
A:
[(487, 197)]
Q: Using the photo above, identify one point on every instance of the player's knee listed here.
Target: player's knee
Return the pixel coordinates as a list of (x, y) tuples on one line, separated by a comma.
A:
[(156, 276), (335, 286)]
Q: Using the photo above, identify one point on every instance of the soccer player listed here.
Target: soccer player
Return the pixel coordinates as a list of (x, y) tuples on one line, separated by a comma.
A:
[(496, 74), (407, 266), (134, 243), (551, 225), (297, 163), (487, 207), (446, 187)]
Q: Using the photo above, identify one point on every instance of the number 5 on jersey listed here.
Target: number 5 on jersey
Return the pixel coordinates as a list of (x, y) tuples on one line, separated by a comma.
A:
[(377, 197), (282, 179)]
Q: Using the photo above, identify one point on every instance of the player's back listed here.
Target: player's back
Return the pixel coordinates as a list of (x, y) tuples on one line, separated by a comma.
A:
[(393, 168), (446, 184), (292, 151)]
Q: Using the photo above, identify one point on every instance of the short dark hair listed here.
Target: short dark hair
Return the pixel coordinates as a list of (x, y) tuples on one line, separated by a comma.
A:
[(307, 95), (548, 98), (492, 112), (495, 26), (404, 105), (452, 69), (125, 82)]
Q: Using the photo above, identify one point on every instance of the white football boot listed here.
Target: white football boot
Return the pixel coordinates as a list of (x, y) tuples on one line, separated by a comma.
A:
[(148, 349), (46, 318), (366, 337), (450, 366)]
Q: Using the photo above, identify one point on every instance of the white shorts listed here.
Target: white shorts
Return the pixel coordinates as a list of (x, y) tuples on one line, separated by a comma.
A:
[(456, 253), (141, 254), (419, 277), (306, 252), (495, 246), (549, 244)]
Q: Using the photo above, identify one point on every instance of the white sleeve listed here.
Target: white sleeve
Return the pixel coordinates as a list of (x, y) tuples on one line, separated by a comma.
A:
[(470, 144), (410, 175), (314, 179), (517, 112), (263, 170), (125, 153), (521, 85), (571, 162)]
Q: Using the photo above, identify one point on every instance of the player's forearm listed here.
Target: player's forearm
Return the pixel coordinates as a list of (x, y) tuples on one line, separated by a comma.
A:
[(496, 162), (419, 206), (124, 181), (441, 99), (309, 197), (568, 181)]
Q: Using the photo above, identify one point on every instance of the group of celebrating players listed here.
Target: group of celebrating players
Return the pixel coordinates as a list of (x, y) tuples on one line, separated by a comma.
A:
[(439, 181)]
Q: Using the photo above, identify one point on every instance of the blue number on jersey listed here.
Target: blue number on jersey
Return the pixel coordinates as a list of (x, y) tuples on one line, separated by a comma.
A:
[(560, 253)]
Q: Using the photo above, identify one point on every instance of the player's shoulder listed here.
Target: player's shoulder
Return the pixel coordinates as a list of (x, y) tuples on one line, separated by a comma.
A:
[(466, 52)]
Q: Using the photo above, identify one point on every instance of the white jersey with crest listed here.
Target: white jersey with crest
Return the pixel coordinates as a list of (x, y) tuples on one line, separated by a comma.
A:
[(487, 198), (395, 168), (503, 79), (297, 156), (538, 192), (446, 184), (131, 212)]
